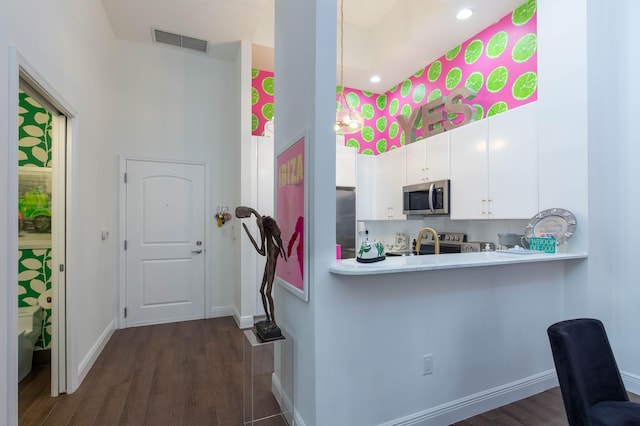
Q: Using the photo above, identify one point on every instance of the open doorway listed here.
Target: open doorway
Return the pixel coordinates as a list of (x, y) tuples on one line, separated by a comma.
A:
[(43, 137)]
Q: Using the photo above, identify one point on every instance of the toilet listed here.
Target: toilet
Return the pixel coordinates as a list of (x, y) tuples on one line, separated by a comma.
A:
[(30, 320)]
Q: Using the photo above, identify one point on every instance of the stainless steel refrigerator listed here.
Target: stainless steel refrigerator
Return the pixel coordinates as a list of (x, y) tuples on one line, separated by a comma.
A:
[(346, 220)]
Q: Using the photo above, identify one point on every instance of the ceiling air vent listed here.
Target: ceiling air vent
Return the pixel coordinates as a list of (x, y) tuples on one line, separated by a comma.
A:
[(180, 40)]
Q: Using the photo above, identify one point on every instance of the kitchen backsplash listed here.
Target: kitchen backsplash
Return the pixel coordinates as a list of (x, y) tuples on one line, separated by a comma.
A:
[(476, 230), (499, 64)]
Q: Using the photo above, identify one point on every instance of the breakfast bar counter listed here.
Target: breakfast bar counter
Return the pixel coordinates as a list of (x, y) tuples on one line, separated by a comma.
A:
[(398, 264)]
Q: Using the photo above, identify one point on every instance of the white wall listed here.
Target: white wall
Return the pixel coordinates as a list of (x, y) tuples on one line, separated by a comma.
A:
[(245, 185), (563, 136), (70, 44), (614, 172), (358, 342), (485, 327), (305, 43), (8, 245), (128, 99), (173, 104)]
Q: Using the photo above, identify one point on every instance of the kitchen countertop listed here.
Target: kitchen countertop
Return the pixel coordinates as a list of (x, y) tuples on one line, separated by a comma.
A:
[(396, 264)]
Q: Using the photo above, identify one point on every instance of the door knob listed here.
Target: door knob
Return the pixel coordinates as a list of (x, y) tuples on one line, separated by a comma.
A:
[(196, 251)]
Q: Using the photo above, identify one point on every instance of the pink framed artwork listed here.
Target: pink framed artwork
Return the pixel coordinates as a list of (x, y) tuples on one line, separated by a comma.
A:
[(290, 213)]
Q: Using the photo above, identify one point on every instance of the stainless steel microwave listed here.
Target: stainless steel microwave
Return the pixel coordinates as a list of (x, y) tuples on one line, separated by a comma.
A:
[(430, 198)]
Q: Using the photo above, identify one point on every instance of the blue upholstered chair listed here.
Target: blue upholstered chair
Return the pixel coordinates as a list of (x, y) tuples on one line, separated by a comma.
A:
[(590, 382)]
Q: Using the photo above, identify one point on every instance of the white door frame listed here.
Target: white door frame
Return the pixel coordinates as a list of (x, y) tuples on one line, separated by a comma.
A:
[(122, 232), (58, 257), (18, 64)]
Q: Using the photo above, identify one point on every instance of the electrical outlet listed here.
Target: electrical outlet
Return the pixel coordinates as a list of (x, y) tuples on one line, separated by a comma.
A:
[(427, 361)]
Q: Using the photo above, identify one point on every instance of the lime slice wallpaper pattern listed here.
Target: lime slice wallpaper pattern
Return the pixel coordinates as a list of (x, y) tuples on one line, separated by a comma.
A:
[(499, 64), (261, 100)]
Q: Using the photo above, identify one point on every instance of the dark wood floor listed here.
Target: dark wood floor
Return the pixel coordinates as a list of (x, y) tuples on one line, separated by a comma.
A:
[(191, 373), (187, 373), (545, 408)]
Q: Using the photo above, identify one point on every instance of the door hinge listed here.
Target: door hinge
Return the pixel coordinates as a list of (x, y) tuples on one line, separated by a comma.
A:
[(125, 177), (125, 244), (125, 312), (61, 267)]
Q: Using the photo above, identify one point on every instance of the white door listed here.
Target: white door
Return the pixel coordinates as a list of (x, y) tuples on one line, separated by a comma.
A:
[(165, 222), (58, 255)]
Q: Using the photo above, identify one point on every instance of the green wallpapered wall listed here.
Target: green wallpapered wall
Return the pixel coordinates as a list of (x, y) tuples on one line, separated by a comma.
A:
[(34, 265), (34, 286), (34, 133)]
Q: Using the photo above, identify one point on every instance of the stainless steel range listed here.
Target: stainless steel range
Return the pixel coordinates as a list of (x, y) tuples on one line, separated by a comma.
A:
[(450, 242)]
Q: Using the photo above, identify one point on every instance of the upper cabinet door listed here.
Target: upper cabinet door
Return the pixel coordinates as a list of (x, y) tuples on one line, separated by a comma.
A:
[(428, 159), (416, 162), (513, 163), (494, 166), (345, 166), (364, 189), (390, 178), (438, 157), (469, 171)]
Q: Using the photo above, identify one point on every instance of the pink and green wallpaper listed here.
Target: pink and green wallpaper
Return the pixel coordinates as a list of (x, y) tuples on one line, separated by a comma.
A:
[(499, 64), (261, 100)]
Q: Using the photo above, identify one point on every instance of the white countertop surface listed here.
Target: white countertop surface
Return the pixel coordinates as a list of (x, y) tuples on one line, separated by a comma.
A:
[(395, 264)]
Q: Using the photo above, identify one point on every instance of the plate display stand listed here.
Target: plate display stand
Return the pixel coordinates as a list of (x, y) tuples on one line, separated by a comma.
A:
[(268, 381)]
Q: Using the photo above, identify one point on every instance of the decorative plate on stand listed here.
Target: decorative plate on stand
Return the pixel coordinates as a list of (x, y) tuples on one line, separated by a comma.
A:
[(557, 223)]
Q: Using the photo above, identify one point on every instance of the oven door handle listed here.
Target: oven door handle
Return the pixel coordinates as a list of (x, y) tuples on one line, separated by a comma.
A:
[(432, 188)]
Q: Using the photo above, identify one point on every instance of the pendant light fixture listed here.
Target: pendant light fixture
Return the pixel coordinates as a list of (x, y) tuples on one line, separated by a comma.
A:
[(348, 120)]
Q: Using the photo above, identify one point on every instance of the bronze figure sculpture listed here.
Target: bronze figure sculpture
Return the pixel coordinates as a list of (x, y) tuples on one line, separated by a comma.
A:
[(269, 235)]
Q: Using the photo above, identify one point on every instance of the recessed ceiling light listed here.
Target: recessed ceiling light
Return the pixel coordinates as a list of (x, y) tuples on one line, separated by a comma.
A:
[(464, 14), (375, 79)]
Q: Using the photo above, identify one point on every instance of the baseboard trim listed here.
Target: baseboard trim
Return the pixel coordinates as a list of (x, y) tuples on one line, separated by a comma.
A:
[(220, 311), (243, 322), (87, 362), (285, 401), (481, 402), (631, 382)]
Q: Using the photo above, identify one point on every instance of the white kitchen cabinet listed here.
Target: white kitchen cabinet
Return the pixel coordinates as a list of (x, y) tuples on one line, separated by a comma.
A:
[(390, 178), (345, 166), (416, 162), (494, 167), (365, 171), (468, 191), (428, 159), (438, 157)]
